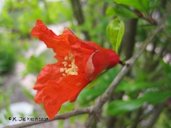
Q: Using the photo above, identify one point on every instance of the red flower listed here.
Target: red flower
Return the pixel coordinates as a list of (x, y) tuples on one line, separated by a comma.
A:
[(79, 62)]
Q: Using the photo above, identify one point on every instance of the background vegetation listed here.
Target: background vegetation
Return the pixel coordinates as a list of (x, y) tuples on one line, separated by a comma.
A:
[(142, 99)]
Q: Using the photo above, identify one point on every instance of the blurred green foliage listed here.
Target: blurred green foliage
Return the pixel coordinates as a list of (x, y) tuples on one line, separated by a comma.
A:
[(34, 64), (141, 5), (16, 17), (7, 54)]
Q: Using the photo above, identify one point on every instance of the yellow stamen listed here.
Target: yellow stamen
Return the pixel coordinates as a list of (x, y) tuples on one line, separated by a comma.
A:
[(70, 68)]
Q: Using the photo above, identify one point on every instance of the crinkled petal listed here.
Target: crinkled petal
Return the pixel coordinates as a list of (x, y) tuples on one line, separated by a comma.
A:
[(59, 44), (54, 96), (49, 74)]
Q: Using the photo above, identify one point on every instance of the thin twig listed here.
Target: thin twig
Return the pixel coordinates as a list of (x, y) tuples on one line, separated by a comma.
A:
[(58, 117), (141, 15), (137, 118), (154, 116), (147, 18)]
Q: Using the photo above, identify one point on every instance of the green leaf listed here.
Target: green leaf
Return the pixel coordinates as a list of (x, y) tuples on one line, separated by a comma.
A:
[(67, 107), (115, 31), (96, 88), (156, 97), (34, 64), (141, 5), (121, 11), (120, 107), (132, 86)]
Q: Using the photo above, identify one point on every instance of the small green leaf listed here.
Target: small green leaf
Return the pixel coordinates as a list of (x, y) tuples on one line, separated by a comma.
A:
[(141, 5), (115, 31), (121, 11), (118, 107), (156, 97)]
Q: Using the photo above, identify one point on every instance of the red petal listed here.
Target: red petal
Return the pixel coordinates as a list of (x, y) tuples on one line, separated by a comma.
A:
[(59, 44), (54, 90), (100, 60), (49, 74), (54, 97), (51, 110)]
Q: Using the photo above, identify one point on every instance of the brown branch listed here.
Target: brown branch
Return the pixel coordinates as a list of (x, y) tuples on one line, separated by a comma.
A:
[(141, 15), (155, 116), (137, 118), (58, 117), (128, 42), (79, 15), (147, 18)]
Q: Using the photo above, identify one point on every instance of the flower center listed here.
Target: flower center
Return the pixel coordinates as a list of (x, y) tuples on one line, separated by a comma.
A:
[(69, 66)]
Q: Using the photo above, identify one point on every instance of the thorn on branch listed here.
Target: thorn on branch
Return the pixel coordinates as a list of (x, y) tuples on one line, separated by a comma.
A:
[(122, 63)]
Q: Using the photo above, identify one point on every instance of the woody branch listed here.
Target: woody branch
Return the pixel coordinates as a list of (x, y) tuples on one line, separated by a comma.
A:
[(58, 117)]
